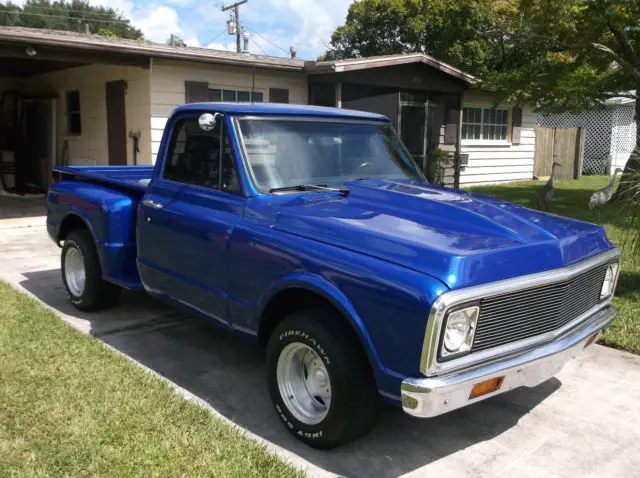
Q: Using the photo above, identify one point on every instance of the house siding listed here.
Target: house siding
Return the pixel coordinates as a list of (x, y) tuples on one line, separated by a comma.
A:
[(168, 87), (91, 146), (494, 163)]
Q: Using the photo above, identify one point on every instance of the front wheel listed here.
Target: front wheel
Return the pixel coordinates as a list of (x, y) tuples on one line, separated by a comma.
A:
[(319, 380), (82, 274)]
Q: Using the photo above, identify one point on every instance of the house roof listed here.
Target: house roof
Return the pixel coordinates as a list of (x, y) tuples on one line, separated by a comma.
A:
[(337, 66), (98, 43), (101, 44), (621, 100), (282, 110)]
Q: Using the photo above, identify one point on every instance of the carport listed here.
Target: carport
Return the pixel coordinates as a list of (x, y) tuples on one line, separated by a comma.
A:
[(62, 103)]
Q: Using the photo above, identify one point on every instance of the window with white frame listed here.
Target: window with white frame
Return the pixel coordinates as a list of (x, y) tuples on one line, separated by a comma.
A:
[(485, 123), (235, 96)]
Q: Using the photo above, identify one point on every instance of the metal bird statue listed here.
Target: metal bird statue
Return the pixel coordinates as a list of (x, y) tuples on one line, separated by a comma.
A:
[(602, 196), (545, 194)]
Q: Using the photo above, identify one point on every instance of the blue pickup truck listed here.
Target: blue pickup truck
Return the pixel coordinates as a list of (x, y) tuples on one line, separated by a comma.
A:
[(311, 231)]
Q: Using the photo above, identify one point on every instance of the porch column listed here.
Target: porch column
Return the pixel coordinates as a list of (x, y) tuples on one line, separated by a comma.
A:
[(456, 157)]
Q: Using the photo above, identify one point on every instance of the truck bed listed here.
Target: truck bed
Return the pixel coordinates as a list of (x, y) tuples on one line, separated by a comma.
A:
[(125, 177)]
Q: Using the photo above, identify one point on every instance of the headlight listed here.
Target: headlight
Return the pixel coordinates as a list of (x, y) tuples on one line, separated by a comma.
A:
[(609, 281), (459, 330)]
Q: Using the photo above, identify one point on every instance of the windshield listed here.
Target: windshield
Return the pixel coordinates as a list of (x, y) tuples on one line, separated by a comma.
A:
[(286, 153)]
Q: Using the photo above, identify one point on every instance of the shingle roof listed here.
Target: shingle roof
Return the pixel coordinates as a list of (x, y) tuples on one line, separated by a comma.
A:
[(97, 43), (389, 60)]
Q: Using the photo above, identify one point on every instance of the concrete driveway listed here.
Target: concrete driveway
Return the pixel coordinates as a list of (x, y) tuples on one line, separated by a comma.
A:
[(585, 422)]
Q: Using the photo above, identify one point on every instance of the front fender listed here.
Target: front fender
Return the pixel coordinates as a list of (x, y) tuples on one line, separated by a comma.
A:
[(321, 286)]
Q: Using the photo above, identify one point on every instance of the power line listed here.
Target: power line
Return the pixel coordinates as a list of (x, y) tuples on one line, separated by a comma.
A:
[(268, 41), (216, 37), (260, 48), (51, 9), (113, 22), (236, 15)]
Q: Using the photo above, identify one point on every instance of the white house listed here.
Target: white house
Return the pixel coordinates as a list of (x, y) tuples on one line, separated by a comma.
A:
[(81, 99), (499, 148)]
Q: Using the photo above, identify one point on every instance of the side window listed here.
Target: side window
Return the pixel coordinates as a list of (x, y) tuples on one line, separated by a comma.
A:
[(193, 156), (74, 120)]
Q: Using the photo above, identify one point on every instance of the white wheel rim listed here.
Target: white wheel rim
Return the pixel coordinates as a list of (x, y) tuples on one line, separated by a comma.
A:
[(74, 271), (304, 383)]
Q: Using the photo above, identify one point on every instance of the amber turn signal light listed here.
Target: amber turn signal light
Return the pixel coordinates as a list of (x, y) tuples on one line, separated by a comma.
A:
[(485, 387), (591, 339)]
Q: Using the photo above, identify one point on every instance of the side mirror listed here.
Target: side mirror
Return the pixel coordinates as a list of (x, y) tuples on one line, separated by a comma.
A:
[(207, 121)]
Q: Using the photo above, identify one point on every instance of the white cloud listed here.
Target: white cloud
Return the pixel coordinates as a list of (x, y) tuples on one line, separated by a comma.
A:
[(305, 24), (192, 42), (222, 46), (313, 21), (180, 3), (159, 24)]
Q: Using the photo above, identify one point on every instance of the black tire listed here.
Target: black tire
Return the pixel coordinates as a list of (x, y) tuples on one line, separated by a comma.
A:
[(97, 294), (352, 412)]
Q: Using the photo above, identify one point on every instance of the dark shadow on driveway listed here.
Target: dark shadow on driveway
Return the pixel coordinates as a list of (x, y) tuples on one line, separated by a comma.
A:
[(15, 207), (229, 375)]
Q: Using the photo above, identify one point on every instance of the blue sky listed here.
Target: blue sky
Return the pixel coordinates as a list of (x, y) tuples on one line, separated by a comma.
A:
[(305, 24)]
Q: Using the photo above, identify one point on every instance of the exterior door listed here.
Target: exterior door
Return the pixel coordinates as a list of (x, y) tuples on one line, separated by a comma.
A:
[(413, 123), (116, 122), (37, 118), (187, 217)]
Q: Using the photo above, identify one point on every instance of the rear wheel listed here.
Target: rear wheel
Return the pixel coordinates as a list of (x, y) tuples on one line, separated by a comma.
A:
[(82, 274), (319, 380)]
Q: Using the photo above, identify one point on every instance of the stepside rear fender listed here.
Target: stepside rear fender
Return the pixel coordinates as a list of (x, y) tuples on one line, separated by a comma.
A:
[(109, 215)]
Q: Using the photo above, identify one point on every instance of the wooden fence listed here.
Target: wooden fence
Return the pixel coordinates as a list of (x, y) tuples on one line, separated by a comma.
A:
[(562, 145)]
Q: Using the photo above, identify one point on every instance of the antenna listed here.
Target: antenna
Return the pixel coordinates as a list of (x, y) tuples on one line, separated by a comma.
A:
[(236, 17)]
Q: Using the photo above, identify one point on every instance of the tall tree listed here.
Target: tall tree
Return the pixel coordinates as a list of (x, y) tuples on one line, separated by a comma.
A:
[(70, 16), (446, 29), (579, 53)]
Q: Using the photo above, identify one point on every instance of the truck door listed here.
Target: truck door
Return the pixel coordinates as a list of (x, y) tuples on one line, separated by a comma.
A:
[(187, 216)]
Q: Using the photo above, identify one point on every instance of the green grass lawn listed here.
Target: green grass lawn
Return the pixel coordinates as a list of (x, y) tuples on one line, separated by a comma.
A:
[(70, 406), (570, 199)]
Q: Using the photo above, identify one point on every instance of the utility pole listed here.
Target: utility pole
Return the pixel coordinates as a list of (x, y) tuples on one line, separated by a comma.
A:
[(236, 13)]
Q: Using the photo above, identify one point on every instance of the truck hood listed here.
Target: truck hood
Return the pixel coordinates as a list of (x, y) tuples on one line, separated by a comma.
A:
[(458, 237)]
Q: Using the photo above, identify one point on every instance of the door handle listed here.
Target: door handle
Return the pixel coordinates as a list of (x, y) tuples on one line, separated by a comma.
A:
[(153, 204)]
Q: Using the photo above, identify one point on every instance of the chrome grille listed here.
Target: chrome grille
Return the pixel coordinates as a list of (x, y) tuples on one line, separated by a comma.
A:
[(526, 313)]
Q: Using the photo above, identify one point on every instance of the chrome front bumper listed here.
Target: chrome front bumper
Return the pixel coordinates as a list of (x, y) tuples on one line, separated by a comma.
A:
[(432, 396)]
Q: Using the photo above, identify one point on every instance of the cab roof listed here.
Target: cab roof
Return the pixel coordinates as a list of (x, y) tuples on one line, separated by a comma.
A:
[(277, 109)]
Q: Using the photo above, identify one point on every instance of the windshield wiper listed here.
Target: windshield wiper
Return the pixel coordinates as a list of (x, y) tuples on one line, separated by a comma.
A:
[(310, 187)]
